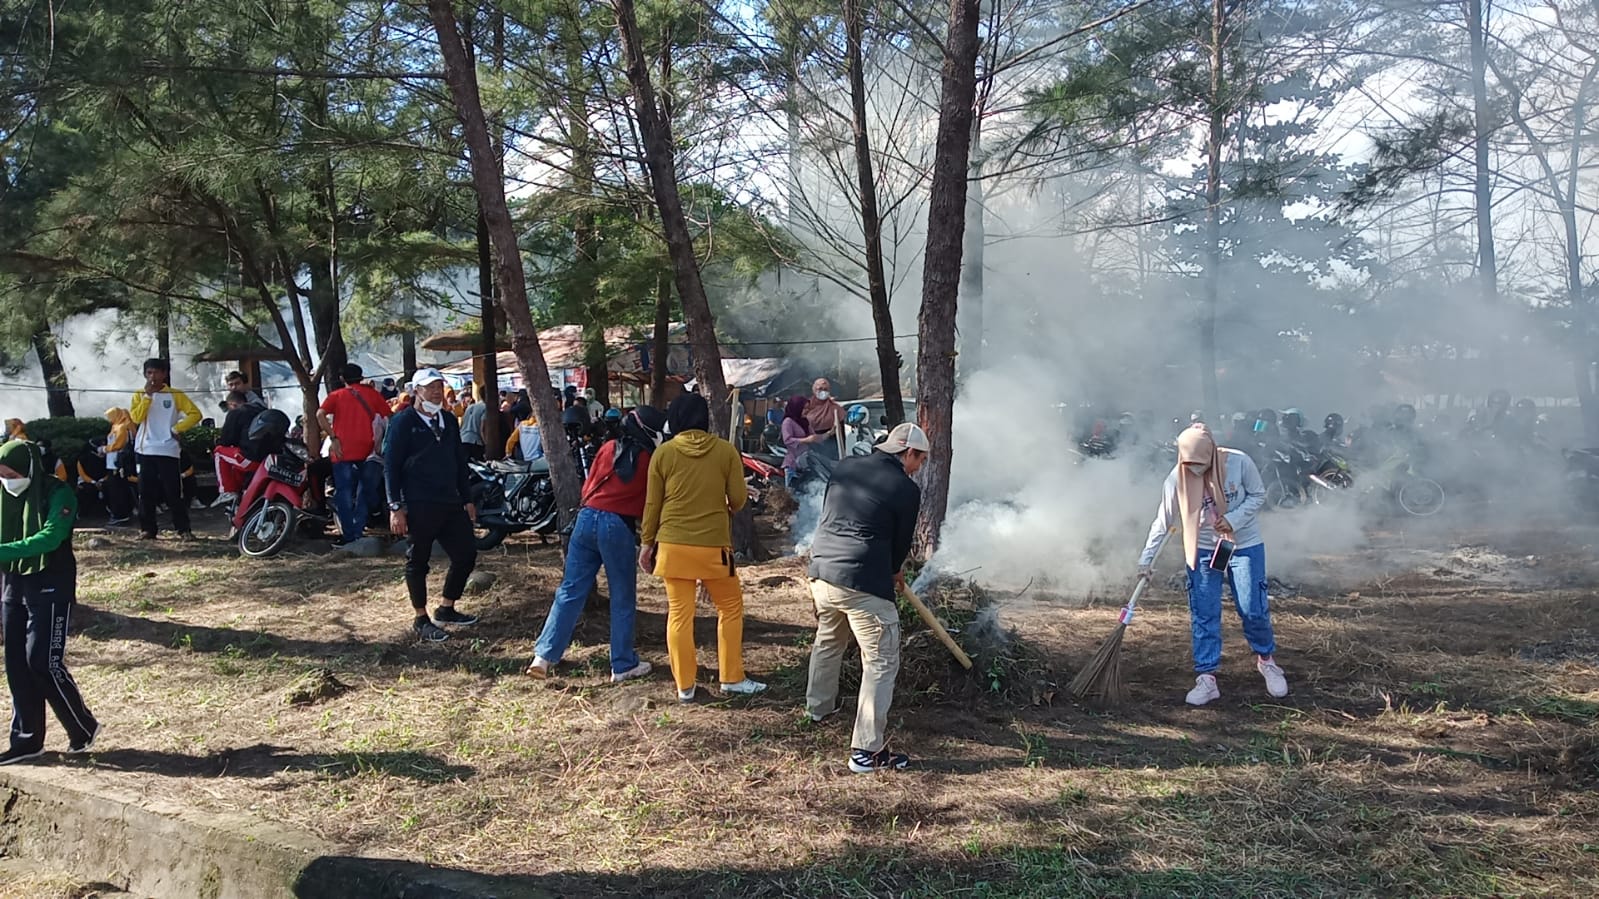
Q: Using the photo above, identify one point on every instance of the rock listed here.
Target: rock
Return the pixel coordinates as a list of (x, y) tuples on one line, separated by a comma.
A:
[(480, 581), (634, 702), (314, 686), (364, 548), (97, 543), (401, 547)]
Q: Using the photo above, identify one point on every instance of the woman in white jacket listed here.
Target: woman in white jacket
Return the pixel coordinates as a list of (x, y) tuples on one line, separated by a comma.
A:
[(1217, 494)]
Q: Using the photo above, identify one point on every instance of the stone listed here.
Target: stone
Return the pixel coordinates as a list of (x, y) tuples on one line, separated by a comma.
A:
[(364, 548), (97, 543), (481, 581)]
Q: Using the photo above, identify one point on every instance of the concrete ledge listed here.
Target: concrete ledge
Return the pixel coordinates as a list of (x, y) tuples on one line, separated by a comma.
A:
[(86, 824)]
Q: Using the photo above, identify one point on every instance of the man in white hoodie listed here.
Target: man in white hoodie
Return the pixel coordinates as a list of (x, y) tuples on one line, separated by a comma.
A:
[(161, 413)]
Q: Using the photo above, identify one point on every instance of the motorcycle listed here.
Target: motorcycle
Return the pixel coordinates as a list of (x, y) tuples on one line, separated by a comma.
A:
[(760, 477), (1582, 477), (512, 497), (274, 504)]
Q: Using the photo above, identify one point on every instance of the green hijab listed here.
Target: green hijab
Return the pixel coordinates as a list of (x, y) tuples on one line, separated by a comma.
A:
[(23, 516)]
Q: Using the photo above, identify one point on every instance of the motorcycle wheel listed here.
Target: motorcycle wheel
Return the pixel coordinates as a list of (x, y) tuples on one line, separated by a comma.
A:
[(488, 538), (1420, 496), (1276, 494), (267, 530)]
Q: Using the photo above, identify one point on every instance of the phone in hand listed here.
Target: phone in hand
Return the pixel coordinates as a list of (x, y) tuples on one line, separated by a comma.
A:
[(1222, 555)]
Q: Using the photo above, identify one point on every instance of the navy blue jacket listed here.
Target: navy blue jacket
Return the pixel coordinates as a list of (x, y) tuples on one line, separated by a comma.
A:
[(422, 467)]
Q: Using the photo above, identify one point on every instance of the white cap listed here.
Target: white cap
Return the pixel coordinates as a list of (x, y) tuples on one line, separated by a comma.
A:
[(905, 437), (426, 376)]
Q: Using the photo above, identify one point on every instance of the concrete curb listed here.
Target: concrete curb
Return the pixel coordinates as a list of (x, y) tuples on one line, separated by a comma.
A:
[(86, 823)]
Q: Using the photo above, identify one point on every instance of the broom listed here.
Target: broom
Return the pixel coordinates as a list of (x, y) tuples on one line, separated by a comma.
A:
[(1100, 680)]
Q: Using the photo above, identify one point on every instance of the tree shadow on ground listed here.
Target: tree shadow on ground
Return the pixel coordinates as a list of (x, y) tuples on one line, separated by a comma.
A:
[(265, 760)]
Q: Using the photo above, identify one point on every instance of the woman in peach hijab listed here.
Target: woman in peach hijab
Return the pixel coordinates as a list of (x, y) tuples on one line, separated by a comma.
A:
[(1216, 494)]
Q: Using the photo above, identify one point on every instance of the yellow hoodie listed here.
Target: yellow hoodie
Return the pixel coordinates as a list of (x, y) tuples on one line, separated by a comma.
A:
[(121, 429), (696, 480)]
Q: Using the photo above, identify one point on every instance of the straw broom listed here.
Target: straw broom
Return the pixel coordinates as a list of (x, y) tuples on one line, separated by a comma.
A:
[(1101, 680)]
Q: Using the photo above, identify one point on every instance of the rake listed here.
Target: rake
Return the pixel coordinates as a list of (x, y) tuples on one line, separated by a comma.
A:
[(1100, 680)]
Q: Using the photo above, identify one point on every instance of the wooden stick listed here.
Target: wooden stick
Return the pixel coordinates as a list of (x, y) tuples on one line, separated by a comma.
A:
[(938, 629)]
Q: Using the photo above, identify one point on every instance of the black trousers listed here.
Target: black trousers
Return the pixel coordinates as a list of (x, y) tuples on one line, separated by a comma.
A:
[(36, 610), (118, 497), (452, 528), (161, 479)]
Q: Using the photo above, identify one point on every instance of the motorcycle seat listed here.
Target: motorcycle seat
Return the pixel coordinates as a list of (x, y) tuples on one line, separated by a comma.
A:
[(518, 466)]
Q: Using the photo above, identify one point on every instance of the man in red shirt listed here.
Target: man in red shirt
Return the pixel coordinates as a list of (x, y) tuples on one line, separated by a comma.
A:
[(606, 533), (355, 415)]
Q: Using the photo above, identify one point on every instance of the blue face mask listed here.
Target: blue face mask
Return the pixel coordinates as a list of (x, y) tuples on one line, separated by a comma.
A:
[(1260, 426)]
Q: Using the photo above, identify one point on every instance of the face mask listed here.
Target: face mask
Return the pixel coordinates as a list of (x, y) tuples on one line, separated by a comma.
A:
[(15, 486), (431, 408), (823, 394)]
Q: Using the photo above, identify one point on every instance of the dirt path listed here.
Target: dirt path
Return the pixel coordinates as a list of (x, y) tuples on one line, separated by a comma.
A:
[(1441, 736)]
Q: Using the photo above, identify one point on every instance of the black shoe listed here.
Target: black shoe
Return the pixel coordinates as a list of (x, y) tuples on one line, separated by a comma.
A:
[(13, 755), (428, 632), (146, 536), (448, 615), (86, 745), (863, 762), (188, 537)]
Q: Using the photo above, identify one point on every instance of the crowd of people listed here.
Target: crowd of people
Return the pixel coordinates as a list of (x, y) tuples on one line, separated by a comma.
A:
[(659, 493)]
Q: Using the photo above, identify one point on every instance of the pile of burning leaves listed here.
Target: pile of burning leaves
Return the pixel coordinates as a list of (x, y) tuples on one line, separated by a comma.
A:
[(1005, 670)]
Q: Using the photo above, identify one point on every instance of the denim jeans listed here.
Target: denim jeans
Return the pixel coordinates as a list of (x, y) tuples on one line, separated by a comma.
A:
[(355, 494), (1246, 578), (598, 538)]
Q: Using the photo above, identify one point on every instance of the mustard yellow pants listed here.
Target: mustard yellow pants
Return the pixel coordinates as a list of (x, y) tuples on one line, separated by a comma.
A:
[(681, 567)]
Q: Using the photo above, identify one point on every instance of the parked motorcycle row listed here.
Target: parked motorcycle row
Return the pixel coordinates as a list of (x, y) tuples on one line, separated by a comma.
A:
[(1389, 459)]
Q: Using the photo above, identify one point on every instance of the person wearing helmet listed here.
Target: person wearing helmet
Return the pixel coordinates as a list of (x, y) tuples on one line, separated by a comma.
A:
[(605, 534), (38, 587), (1332, 430)]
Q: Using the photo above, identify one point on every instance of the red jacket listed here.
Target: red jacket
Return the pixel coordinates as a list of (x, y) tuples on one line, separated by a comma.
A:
[(605, 491)]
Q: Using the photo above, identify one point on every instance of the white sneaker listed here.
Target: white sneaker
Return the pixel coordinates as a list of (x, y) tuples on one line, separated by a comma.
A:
[(224, 499), (686, 695), (746, 686), (1205, 690), (639, 670), (1276, 683), (540, 668)]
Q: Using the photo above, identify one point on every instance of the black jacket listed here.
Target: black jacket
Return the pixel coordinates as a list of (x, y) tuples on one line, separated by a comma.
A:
[(422, 467), (236, 426), (868, 519)]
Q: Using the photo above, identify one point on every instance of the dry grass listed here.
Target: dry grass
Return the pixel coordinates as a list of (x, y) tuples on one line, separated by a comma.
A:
[(1422, 751)]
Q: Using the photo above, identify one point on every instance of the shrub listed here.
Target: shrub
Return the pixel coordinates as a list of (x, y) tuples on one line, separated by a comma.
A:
[(67, 437)]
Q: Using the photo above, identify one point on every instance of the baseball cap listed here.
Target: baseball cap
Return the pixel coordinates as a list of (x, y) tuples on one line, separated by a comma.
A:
[(426, 376), (905, 437)]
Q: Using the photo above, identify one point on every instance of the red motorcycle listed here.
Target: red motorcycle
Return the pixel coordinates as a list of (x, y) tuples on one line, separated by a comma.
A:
[(274, 503), (760, 477)]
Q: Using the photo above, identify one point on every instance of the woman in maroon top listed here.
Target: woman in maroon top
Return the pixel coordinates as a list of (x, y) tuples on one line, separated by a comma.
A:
[(606, 534)]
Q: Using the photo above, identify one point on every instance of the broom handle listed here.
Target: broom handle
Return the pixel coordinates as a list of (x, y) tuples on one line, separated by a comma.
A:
[(936, 628), (1126, 616)]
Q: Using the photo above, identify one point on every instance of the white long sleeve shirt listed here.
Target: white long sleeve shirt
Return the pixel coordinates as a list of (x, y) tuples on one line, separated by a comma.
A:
[(1246, 494)]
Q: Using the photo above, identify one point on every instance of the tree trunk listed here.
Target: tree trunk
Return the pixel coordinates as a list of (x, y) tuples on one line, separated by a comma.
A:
[(941, 268), (489, 180), (971, 303), (489, 349), (1487, 258), (58, 396), (661, 347), (325, 327), (1211, 399), (656, 133), (888, 360), (163, 327)]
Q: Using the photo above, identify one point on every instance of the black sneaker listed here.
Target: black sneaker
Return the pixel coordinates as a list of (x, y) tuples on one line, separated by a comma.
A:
[(13, 755), (429, 632), (863, 762), (448, 615), (147, 536), (86, 745)]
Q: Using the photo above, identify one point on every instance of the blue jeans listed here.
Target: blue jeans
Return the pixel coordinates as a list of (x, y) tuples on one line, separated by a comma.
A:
[(598, 538), (1246, 578), (356, 486)]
